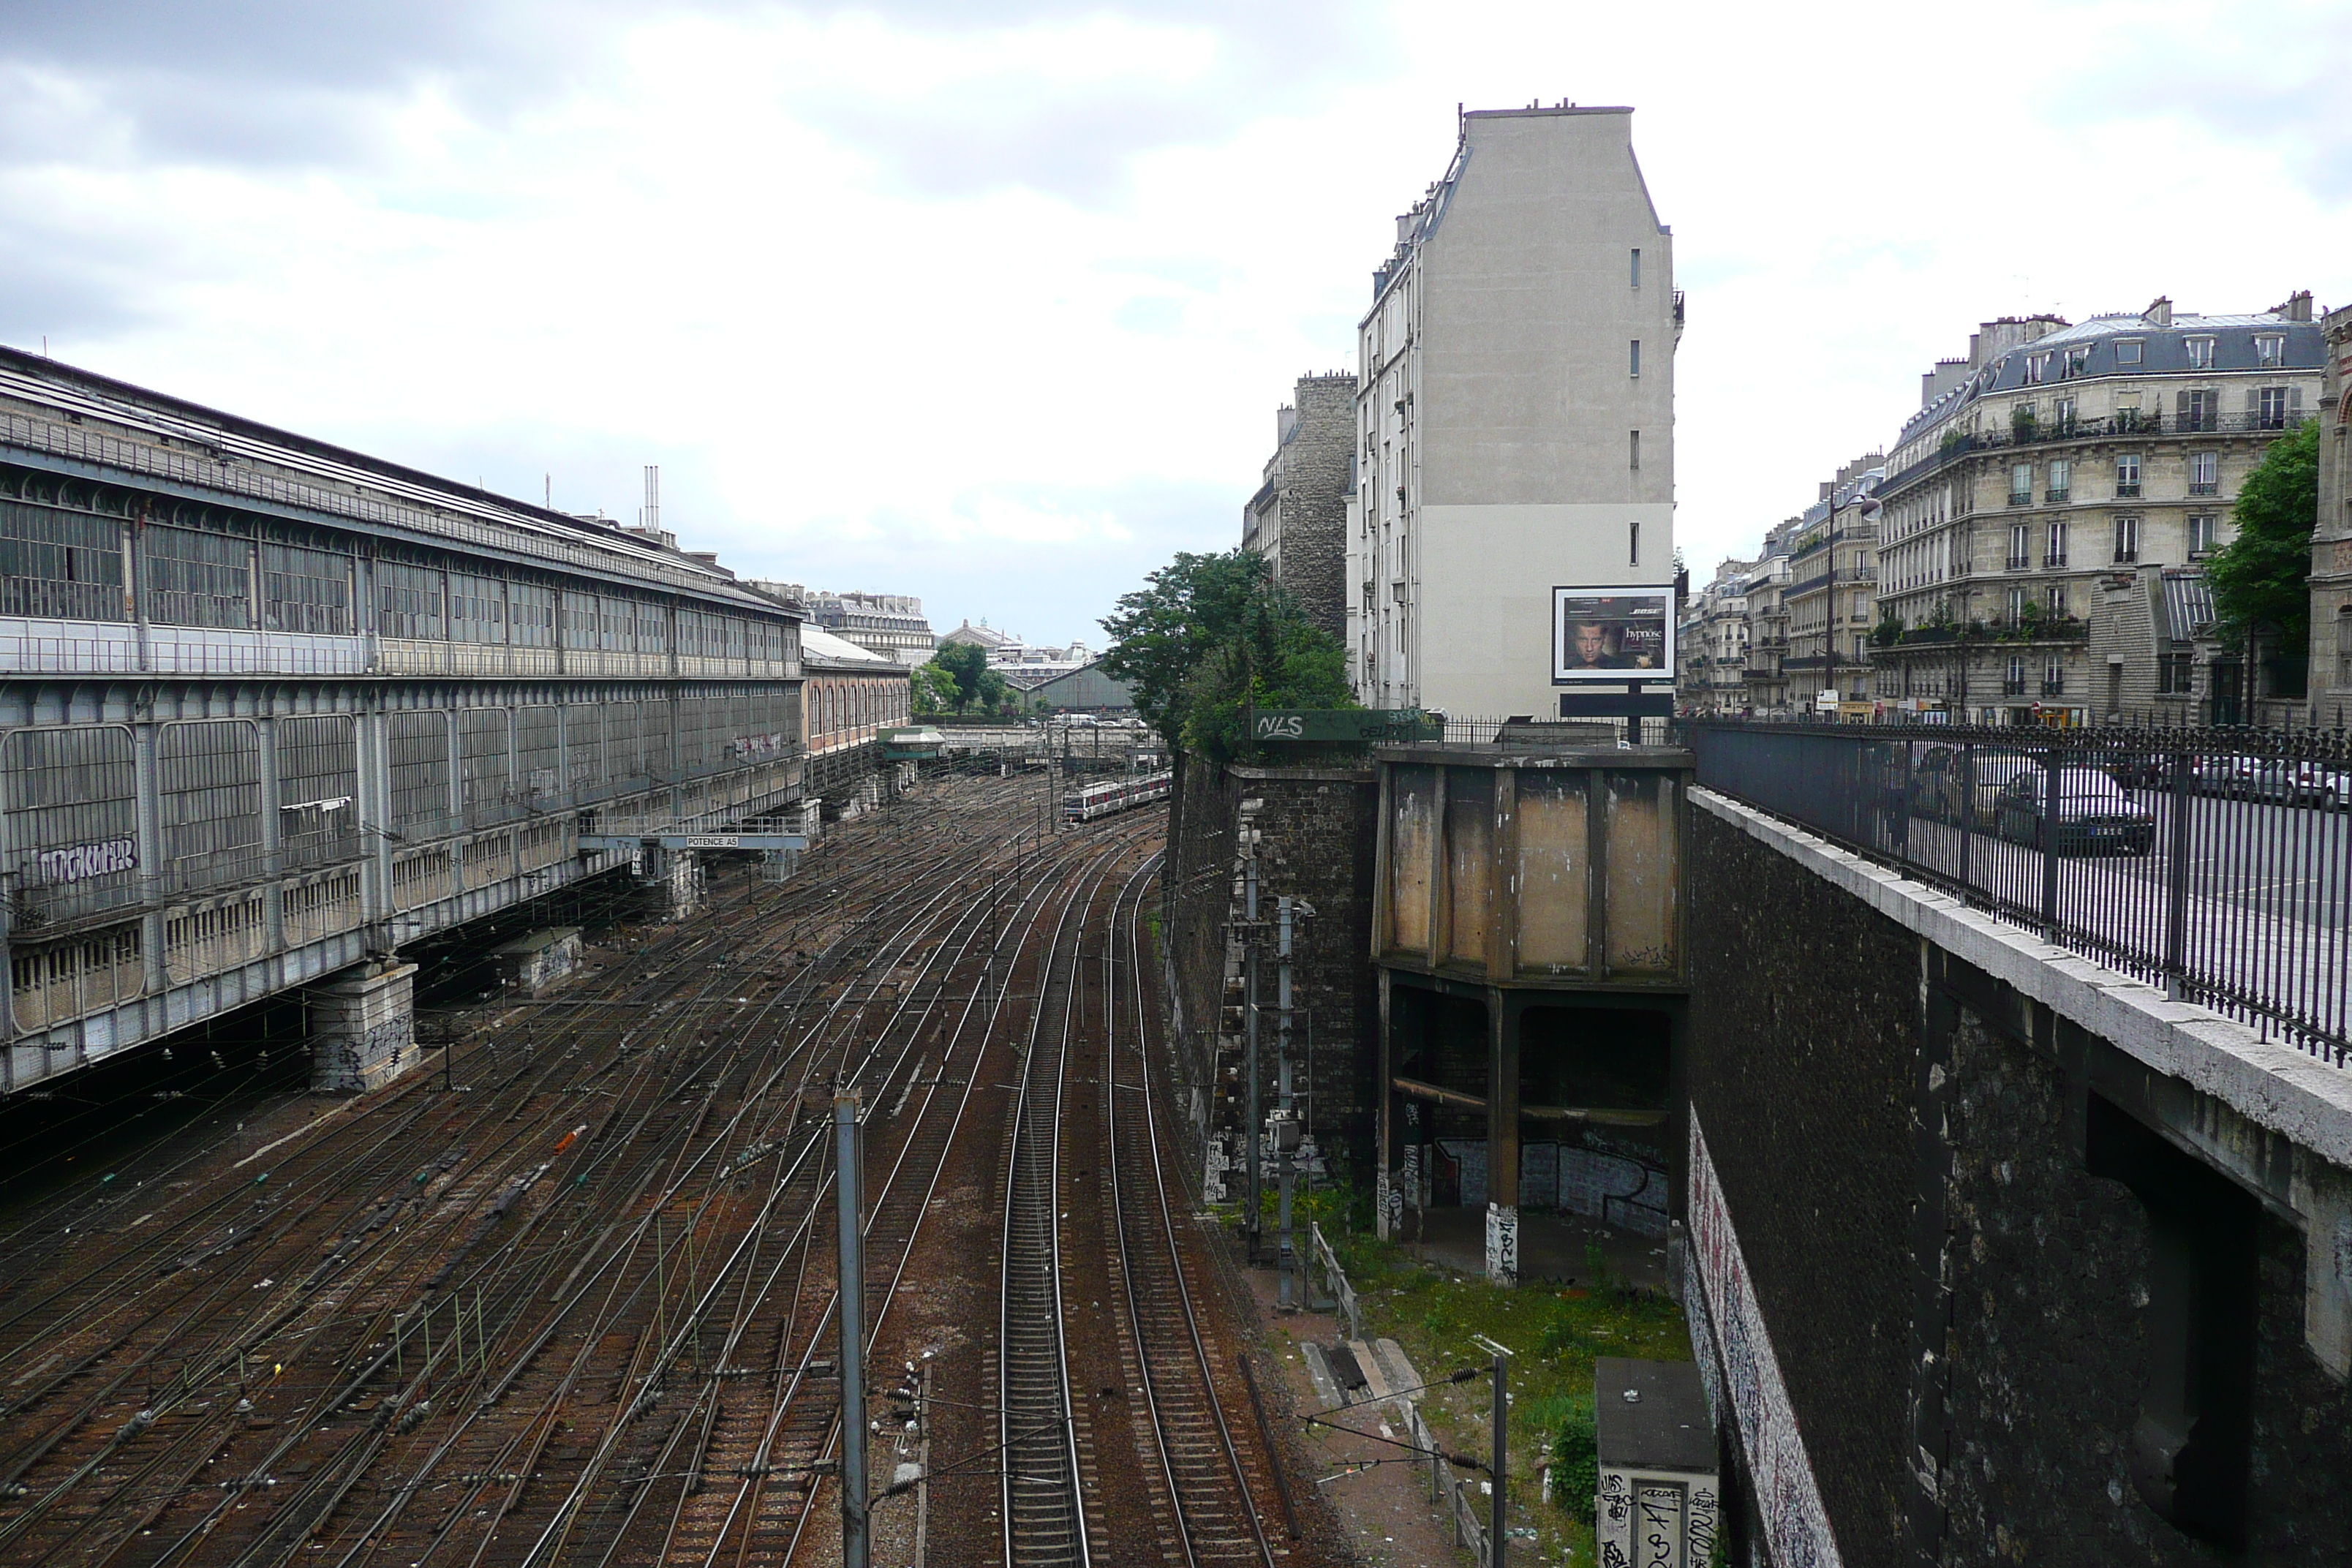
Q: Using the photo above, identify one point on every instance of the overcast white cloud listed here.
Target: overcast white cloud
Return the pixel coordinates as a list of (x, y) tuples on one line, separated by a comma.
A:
[(992, 301)]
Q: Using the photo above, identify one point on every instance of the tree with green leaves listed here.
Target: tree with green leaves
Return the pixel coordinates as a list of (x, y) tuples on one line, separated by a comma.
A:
[(966, 664), (2262, 578), (1276, 658), (1211, 635), (1161, 633), (936, 691)]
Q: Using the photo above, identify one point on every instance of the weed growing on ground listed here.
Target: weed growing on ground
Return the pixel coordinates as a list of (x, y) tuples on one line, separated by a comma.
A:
[(1555, 1334)]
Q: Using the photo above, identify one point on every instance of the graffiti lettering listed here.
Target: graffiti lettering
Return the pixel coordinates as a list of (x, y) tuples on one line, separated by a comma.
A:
[(84, 861)]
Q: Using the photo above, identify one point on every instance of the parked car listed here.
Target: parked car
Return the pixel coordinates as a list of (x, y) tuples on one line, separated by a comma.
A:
[(2240, 777), (2094, 815), (2138, 770), (2317, 783), (1937, 789)]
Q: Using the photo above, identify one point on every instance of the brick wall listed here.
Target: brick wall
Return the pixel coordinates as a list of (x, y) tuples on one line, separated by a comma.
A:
[(1311, 488), (1908, 1162)]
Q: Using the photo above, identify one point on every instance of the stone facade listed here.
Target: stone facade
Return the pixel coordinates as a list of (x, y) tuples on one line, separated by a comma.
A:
[(362, 1028), (1954, 1215), (1298, 518), (1315, 832), (1830, 599), (2331, 540), (2047, 468), (1711, 645)]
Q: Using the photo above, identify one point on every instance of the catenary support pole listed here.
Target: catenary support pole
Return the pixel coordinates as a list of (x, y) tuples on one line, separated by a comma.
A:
[(1497, 1514), (1287, 1136), (1255, 1132), (854, 1544)]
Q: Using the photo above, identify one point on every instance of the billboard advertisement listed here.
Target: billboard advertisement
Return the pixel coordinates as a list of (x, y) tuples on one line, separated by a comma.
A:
[(1611, 634)]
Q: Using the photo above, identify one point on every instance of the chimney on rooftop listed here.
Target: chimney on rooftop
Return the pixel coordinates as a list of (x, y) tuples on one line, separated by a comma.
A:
[(2159, 311), (2296, 309)]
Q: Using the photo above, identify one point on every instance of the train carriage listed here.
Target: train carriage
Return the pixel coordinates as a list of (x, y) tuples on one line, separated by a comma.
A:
[(1099, 800)]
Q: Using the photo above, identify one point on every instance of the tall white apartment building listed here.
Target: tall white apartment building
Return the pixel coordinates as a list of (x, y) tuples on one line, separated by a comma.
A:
[(1511, 532)]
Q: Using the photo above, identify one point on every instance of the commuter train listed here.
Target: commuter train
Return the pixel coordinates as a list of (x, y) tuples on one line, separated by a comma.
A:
[(1114, 795)]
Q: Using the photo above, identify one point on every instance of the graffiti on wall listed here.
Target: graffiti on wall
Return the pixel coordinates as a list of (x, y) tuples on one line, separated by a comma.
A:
[(1788, 1497)]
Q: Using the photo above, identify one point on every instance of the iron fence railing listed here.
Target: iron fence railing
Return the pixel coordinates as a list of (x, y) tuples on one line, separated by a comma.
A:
[(1481, 730), (2215, 863)]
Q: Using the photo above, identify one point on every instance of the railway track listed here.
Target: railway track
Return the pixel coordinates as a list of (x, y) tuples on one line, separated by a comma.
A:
[(582, 1310), (1213, 1490), (1043, 1511), (101, 1471)]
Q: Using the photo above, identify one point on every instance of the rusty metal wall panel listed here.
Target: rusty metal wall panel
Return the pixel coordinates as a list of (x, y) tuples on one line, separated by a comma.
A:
[(1469, 901), (1553, 871), (73, 820), (318, 790), (1411, 833), (209, 788), (1645, 872)]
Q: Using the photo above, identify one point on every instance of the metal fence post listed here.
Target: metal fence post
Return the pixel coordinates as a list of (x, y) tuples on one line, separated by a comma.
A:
[(2175, 882), (1964, 811), (2049, 836)]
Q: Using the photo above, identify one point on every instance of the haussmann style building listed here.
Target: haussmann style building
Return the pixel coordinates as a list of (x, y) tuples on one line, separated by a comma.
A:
[(2047, 512)]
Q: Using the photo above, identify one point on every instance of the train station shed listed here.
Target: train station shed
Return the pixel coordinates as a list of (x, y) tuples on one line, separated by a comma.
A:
[(1087, 689)]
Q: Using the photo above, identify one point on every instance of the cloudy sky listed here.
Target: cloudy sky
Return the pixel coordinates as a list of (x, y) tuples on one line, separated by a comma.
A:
[(992, 300)]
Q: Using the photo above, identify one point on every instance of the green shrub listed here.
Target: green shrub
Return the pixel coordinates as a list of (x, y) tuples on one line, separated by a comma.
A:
[(1575, 1459)]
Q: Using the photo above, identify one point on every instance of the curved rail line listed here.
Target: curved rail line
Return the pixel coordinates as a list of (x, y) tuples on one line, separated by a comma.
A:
[(1208, 1487)]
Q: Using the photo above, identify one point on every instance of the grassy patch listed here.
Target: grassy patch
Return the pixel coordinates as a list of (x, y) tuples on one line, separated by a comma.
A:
[(1554, 1334)]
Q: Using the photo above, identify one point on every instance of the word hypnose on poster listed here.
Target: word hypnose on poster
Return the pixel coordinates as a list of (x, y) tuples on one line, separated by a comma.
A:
[(1611, 634)]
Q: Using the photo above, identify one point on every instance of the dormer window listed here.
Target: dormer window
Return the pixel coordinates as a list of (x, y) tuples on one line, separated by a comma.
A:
[(2270, 350), (2037, 369), (2200, 352), (2130, 351), (2077, 361)]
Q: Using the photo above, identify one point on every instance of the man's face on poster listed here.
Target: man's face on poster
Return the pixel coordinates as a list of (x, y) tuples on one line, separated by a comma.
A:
[(1591, 642)]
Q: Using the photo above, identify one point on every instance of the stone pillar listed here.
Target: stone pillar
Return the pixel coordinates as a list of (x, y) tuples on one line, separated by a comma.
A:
[(363, 1027), (1502, 1139), (675, 877)]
